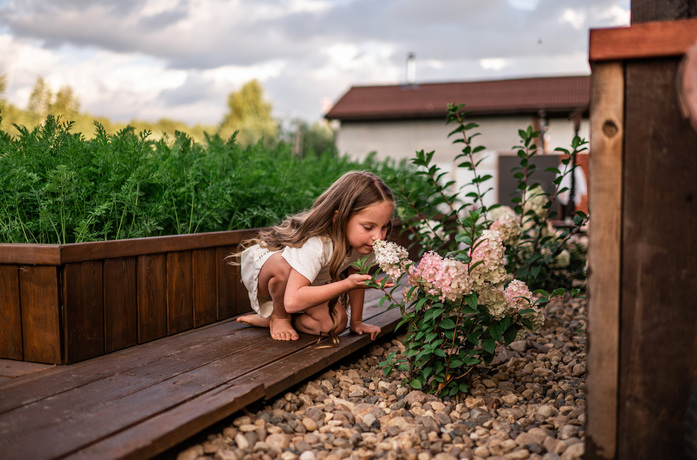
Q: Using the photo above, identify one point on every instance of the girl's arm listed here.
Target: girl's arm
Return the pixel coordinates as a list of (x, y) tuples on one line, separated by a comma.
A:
[(300, 295)]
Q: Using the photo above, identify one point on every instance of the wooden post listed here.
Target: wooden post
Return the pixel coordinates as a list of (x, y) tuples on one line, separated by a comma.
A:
[(605, 202), (642, 326)]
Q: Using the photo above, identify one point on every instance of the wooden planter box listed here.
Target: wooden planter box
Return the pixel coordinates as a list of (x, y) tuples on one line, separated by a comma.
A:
[(60, 304), (642, 310)]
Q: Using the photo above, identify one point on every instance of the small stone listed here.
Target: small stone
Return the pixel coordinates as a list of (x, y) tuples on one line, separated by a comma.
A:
[(191, 453), (568, 431), (241, 441), (225, 454), (509, 399), (307, 455), (574, 452), (481, 451), (309, 424), (278, 441)]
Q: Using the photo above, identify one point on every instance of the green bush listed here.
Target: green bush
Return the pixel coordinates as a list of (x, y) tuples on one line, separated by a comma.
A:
[(56, 186), (484, 271)]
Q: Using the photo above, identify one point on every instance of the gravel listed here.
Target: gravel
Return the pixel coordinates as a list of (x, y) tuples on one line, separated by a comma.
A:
[(529, 403)]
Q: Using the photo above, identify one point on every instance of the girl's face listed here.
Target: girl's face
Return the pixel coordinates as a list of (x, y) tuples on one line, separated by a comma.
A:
[(369, 225)]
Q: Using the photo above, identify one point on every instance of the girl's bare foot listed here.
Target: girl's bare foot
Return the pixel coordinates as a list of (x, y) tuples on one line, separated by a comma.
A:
[(282, 329), (254, 320)]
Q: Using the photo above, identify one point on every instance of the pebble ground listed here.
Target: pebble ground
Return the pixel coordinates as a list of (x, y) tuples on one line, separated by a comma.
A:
[(529, 403)]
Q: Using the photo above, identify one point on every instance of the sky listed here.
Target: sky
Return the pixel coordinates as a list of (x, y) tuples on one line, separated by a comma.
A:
[(180, 59)]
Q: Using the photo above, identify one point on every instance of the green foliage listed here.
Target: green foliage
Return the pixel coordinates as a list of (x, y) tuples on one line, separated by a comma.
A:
[(472, 288), (56, 186), (249, 115)]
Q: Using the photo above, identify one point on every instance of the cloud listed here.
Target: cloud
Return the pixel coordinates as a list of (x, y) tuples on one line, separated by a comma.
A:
[(183, 57)]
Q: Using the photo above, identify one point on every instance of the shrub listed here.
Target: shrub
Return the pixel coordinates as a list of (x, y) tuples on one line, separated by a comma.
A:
[(484, 272)]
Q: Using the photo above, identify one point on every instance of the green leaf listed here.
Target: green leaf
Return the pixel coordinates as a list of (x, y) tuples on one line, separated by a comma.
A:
[(489, 345), (416, 384)]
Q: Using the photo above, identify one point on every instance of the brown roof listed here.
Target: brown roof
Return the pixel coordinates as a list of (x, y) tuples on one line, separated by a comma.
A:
[(555, 95)]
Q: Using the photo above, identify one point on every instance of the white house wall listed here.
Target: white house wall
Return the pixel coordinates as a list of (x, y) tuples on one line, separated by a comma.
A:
[(401, 139)]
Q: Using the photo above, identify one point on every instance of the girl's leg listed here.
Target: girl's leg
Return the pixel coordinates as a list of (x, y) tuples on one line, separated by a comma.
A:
[(273, 279), (316, 320)]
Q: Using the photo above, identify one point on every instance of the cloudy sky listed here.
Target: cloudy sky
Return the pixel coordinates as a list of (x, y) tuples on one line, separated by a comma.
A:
[(179, 59)]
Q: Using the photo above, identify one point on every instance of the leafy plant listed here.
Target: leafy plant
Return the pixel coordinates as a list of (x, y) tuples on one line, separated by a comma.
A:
[(473, 285), (56, 186)]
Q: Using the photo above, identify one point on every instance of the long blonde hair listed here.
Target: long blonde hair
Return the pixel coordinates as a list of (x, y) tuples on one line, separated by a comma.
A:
[(328, 216)]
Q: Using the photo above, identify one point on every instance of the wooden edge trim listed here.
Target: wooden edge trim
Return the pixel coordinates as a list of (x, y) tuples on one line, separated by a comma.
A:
[(605, 161), (29, 254), (81, 252), (643, 40), (58, 254)]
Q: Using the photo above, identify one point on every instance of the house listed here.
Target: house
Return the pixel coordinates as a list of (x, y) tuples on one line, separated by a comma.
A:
[(397, 120)]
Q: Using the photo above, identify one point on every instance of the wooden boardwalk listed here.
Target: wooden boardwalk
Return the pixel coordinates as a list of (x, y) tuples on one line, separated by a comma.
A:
[(140, 401)]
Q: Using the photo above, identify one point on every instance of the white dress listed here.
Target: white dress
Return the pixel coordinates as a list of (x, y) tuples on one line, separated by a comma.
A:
[(311, 260)]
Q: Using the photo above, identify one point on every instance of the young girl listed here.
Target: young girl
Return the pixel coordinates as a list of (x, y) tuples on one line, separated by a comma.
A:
[(303, 264)]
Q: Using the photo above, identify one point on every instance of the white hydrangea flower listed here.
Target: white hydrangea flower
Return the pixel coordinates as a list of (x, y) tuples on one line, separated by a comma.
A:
[(391, 257)]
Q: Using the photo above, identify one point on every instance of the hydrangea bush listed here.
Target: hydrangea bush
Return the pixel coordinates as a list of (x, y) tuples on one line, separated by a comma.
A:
[(484, 272)]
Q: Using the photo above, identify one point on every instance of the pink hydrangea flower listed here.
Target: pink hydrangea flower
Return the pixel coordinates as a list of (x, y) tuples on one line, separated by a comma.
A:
[(518, 296), (443, 277), (489, 250), (508, 228)]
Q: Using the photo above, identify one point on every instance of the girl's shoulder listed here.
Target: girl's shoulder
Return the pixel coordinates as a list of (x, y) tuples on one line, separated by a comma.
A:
[(314, 246)]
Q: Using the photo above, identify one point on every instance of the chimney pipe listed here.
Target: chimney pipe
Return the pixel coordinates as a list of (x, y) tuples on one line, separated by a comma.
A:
[(411, 69)]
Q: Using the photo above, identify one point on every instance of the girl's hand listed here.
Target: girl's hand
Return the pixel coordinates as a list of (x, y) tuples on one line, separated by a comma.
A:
[(363, 328), (358, 281)]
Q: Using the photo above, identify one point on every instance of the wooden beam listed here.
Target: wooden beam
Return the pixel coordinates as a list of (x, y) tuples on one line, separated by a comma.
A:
[(29, 254), (607, 123), (645, 40)]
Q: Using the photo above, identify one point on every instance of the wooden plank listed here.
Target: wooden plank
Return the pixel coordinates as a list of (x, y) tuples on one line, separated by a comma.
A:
[(643, 40), (152, 297), (658, 313), (205, 285), (607, 131), (29, 254), (169, 428), (10, 317), (66, 378), (154, 245), (83, 310), (229, 285), (120, 304), (72, 422), (41, 335), (14, 369), (280, 375), (180, 308)]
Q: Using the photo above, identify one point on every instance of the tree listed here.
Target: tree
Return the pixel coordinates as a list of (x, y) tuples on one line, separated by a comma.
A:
[(40, 99), (249, 114), (65, 104)]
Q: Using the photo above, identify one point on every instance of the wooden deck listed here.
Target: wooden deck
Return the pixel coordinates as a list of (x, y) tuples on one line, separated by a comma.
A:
[(142, 400)]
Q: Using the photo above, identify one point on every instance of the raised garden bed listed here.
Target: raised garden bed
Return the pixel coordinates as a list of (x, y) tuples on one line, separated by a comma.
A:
[(61, 304)]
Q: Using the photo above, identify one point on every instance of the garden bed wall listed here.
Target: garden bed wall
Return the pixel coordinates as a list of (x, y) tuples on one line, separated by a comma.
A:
[(60, 304)]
